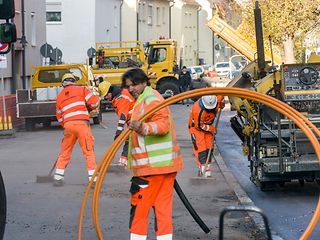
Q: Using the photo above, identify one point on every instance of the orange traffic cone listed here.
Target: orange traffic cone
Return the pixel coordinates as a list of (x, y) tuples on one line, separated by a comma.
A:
[(5, 126), (9, 123)]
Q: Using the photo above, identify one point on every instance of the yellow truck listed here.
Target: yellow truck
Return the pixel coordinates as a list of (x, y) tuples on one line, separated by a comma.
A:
[(38, 104), (157, 58)]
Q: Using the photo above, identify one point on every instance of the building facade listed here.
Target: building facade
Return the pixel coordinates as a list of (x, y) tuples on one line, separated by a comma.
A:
[(127, 20), (17, 72)]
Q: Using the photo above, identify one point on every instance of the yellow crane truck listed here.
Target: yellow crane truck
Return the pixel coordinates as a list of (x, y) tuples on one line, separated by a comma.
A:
[(278, 151), (157, 58), (38, 104)]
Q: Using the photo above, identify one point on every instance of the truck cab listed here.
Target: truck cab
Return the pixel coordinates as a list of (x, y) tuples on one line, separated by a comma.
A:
[(162, 66)]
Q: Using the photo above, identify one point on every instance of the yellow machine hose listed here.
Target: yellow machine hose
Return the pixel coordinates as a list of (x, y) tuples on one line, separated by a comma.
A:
[(301, 121)]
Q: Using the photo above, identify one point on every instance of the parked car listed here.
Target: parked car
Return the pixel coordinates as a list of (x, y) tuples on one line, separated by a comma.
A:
[(192, 72), (199, 71), (223, 69)]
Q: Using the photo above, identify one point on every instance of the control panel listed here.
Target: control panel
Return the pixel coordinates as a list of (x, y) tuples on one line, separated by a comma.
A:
[(301, 82)]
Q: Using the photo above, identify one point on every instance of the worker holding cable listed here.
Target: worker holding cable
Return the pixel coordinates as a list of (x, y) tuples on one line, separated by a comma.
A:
[(154, 158), (202, 131), (72, 110), (122, 102)]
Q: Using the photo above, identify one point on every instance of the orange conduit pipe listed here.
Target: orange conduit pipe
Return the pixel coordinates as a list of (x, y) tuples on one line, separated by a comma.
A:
[(301, 121)]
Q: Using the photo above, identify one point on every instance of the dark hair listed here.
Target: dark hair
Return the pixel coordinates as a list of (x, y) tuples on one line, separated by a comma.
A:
[(184, 67), (136, 76)]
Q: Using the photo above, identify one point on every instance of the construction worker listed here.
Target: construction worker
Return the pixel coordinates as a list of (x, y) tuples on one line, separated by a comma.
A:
[(72, 110), (122, 102), (154, 158), (202, 130)]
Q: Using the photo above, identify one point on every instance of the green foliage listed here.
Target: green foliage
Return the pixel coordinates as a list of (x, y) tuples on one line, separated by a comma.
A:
[(282, 19)]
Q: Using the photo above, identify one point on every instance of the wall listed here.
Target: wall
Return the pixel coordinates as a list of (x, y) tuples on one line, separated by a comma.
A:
[(75, 34), (107, 21), (129, 20), (153, 19)]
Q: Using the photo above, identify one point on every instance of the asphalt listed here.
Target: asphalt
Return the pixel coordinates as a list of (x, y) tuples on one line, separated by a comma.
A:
[(41, 211)]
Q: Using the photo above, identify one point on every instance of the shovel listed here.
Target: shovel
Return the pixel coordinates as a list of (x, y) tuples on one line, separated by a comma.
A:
[(212, 144), (49, 177)]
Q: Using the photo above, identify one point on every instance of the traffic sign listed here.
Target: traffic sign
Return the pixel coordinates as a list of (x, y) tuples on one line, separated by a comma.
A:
[(91, 52), (56, 55), (3, 61), (3, 46), (46, 50)]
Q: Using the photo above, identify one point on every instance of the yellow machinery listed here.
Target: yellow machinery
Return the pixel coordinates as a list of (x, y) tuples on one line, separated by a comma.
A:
[(38, 105), (157, 59), (278, 151)]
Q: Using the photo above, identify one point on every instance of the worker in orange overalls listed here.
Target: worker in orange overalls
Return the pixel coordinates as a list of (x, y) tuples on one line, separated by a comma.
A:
[(202, 130), (154, 158), (72, 110), (122, 102)]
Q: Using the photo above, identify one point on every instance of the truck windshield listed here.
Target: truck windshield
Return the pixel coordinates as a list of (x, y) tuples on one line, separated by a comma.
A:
[(55, 75)]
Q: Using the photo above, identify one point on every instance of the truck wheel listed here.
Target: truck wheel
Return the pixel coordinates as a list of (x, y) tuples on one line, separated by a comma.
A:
[(30, 124), (169, 89), (3, 207)]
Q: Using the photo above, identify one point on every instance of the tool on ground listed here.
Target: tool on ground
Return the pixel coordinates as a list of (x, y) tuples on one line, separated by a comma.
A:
[(188, 206), (212, 144), (49, 177)]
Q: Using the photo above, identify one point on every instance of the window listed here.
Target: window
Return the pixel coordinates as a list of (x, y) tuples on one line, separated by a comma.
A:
[(159, 55), (53, 12), (149, 21), (115, 16), (33, 29), (163, 15), (158, 16), (55, 76)]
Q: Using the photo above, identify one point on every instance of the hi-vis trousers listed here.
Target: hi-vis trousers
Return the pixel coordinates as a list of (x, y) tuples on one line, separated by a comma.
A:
[(155, 192), (201, 143), (73, 131)]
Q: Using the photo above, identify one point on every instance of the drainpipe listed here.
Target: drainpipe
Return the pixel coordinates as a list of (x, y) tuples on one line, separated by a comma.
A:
[(171, 4), (137, 7), (120, 22), (24, 43), (198, 11)]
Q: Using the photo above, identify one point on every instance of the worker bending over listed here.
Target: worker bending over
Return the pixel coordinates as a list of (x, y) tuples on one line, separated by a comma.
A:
[(154, 158), (122, 102), (72, 110), (202, 130)]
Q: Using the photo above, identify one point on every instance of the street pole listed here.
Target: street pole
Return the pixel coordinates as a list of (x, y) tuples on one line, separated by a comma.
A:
[(24, 43), (3, 98)]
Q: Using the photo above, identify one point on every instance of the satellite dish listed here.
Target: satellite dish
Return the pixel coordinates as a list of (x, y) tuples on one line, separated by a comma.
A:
[(46, 50), (91, 52), (56, 55)]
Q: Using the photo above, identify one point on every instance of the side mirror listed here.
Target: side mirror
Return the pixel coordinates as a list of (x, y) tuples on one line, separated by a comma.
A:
[(7, 10), (8, 33)]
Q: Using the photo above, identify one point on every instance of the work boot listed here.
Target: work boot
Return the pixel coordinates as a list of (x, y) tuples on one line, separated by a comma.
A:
[(201, 171), (207, 174), (58, 183)]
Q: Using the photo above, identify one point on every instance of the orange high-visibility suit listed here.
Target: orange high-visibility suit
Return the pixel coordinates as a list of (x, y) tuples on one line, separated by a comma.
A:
[(202, 130), (73, 115), (123, 104), (155, 159)]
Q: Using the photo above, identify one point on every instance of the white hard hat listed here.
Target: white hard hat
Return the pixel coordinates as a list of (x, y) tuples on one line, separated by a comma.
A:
[(210, 101)]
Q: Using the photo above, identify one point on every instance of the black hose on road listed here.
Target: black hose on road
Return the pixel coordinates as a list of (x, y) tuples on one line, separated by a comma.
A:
[(3, 207), (188, 206)]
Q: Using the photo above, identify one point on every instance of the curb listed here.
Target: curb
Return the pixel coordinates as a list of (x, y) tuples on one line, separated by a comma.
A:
[(243, 197)]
